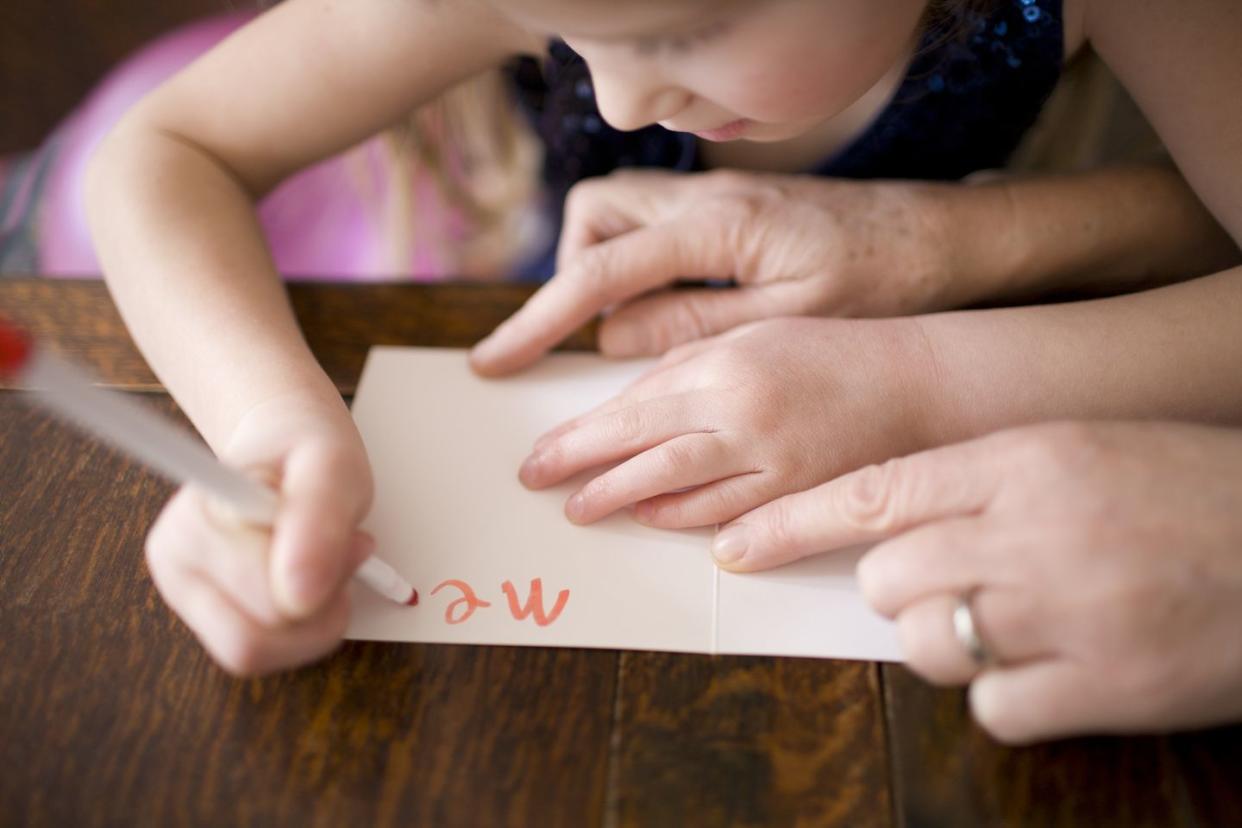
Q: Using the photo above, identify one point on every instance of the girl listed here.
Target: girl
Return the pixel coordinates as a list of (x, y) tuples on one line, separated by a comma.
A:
[(794, 81)]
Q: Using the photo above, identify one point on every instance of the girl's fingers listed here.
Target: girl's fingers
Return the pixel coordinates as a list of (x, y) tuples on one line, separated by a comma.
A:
[(610, 437), (236, 641), (1042, 700), (681, 463), (660, 381), (198, 534), (707, 505), (314, 534)]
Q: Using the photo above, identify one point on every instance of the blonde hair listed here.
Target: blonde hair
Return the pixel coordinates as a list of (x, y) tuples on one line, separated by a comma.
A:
[(457, 188), (469, 158)]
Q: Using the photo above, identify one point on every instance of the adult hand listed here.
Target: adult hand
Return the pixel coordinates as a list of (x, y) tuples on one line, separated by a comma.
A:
[(1105, 563), (794, 245), (722, 425), (263, 599)]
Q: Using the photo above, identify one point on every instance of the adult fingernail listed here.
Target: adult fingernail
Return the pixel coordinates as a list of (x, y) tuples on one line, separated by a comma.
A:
[(731, 544), (623, 340)]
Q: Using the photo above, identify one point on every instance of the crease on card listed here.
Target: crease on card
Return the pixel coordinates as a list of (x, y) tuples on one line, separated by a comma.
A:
[(715, 643)]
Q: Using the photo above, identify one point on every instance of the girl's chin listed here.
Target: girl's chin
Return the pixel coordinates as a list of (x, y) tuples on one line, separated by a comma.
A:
[(775, 133)]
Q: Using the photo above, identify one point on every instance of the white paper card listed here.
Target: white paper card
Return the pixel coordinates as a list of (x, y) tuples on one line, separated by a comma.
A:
[(497, 564)]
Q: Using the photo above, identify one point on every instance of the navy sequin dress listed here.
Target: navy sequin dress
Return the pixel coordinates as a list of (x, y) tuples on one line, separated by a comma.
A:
[(975, 87)]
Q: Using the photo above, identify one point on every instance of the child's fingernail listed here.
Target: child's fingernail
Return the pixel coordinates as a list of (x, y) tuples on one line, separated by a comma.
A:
[(621, 340), (730, 545), (364, 545), (531, 467), (643, 512), (303, 589), (576, 507), (484, 351)]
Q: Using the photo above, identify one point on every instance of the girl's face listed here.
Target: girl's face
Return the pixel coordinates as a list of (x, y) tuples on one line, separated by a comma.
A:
[(761, 70)]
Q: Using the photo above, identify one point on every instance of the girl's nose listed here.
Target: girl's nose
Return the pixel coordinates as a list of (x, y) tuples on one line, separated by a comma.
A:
[(629, 102)]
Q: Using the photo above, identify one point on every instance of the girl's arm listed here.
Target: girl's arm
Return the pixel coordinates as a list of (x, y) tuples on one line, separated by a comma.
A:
[(170, 199), (170, 193), (1169, 353), (1172, 352), (1180, 63)]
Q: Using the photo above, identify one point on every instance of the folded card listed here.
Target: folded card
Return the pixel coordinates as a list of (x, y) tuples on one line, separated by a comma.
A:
[(495, 563)]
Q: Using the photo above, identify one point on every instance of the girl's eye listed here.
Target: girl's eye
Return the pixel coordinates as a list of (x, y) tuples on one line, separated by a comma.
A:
[(679, 44)]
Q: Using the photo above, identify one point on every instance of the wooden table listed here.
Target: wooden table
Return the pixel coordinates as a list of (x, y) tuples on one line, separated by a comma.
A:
[(110, 713)]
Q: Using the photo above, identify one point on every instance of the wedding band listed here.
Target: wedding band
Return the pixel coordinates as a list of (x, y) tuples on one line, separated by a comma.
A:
[(967, 631)]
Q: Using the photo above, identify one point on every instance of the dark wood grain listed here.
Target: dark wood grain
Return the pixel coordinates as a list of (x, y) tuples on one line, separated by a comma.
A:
[(110, 713), (53, 51), (948, 772), (341, 322), (747, 741)]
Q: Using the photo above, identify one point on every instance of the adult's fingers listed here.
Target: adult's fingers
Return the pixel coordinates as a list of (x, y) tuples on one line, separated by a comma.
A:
[(1004, 621), (314, 539), (651, 326), (604, 275), (929, 644), (1042, 700), (598, 209), (865, 506), (953, 556)]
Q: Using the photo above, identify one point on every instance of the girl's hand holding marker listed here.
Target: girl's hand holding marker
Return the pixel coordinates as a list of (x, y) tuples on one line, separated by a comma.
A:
[(243, 586)]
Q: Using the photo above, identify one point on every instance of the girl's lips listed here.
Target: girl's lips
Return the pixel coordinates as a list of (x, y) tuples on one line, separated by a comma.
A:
[(729, 132)]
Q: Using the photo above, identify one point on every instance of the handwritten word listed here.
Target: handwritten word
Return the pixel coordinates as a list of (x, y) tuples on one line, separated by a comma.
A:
[(459, 610)]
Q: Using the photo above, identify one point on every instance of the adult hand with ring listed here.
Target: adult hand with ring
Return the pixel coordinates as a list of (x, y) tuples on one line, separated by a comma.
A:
[(1081, 578)]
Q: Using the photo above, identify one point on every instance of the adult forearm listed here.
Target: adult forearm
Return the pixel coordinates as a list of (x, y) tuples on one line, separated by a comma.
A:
[(1100, 232), (186, 262), (1170, 353)]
